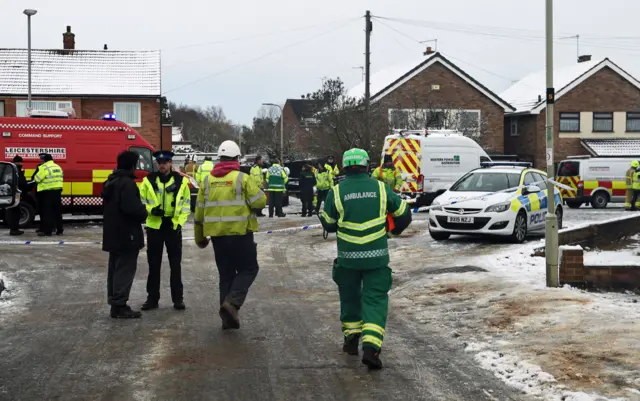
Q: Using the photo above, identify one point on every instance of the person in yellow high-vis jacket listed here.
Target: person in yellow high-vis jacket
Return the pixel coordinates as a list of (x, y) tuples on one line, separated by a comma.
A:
[(332, 168), (629, 183), (49, 179), (635, 202), (388, 174), (324, 183), (225, 212), (204, 169), (257, 175), (168, 201)]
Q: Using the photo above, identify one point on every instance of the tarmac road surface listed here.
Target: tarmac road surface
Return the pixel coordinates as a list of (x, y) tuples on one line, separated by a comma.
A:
[(57, 341)]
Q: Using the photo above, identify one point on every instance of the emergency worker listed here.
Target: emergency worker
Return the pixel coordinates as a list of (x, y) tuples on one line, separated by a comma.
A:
[(356, 208), (225, 212), (635, 203), (629, 183), (276, 185), (258, 177), (13, 214), (166, 196), (204, 169), (388, 174), (323, 184), (49, 179), (307, 182), (191, 168), (332, 168)]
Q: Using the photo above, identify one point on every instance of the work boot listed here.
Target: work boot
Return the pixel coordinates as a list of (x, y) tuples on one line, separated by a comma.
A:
[(148, 305), (124, 312), (16, 232), (179, 305), (43, 234), (351, 344), (229, 316), (371, 358), (282, 215), (304, 215)]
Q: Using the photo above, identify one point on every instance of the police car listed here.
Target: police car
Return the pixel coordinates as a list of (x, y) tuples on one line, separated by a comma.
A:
[(502, 199)]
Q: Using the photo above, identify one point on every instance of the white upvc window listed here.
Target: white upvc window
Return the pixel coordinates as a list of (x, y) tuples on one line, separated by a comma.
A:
[(129, 113), (50, 105)]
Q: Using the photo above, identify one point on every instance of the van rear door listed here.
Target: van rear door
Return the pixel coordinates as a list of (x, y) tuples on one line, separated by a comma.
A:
[(569, 175)]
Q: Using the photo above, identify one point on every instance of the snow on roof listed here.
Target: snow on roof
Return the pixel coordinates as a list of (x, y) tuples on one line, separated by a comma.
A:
[(524, 94), (176, 134), (81, 72), (613, 147)]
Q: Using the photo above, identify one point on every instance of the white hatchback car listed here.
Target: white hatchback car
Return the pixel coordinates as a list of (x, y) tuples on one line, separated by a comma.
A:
[(502, 199)]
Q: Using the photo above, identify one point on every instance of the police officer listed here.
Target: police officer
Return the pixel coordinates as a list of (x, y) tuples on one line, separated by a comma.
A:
[(49, 179), (323, 185), (204, 169), (332, 168), (356, 209), (388, 174), (307, 182), (276, 185), (225, 211), (13, 214), (167, 199), (258, 177), (629, 184)]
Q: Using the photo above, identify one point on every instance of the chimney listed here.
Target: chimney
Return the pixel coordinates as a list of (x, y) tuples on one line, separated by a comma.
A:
[(68, 39), (428, 51), (105, 47), (586, 57)]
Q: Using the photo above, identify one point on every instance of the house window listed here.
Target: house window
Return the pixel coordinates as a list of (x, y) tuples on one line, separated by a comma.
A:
[(128, 113), (633, 122), (602, 122), (436, 120), (1, 108), (399, 118), (514, 126), (469, 120), (569, 122), (50, 105)]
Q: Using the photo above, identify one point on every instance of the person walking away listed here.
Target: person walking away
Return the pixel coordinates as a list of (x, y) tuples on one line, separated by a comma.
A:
[(388, 174), (356, 209), (49, 180), (276, 184), (635, 186), (323, 184), (167, 199), (225, 212), (332, 168), (629, 184), (258, 177), (190, 168), (204, 169), (122, 234), (307, 184), (13, 214)]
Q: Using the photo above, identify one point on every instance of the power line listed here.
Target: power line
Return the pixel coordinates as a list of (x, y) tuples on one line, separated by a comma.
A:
[(260, 57)]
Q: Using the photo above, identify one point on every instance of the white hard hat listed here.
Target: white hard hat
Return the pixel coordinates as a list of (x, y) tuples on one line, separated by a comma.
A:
[(229, 149), (287, 171)]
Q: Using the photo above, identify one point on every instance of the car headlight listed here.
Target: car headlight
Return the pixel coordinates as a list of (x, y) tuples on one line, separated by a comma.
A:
[(435, 206), (498, 208)]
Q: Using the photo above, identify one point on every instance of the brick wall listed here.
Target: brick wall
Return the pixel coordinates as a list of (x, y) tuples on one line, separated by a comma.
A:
[(455, 93), (573, 271), (525, 143)]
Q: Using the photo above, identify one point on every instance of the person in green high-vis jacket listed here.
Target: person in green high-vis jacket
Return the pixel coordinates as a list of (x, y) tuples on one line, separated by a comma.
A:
[(357, 208)]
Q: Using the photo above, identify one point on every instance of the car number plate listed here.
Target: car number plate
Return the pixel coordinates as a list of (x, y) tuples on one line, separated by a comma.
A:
[(460, 219)]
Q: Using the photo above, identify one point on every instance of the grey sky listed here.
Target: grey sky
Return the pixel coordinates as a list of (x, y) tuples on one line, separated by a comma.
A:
[(331, 48)]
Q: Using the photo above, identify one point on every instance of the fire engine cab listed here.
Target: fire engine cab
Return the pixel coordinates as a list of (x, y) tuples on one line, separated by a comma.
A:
[(85, 149)]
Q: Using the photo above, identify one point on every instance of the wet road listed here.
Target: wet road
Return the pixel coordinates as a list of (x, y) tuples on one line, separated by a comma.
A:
[(58, 343)]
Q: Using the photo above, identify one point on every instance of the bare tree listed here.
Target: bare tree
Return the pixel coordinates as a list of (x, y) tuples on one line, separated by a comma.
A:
[(204, 128)]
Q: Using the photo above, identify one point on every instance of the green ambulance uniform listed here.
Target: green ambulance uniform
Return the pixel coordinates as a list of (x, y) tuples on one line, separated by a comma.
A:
[(356, 209), (389, 176), (276, 185)]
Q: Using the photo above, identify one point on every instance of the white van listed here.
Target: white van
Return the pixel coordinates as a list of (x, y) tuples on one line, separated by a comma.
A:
[(596, 180), (431, 161)]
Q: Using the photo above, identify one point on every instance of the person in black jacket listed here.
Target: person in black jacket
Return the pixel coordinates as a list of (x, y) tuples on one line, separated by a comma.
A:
[(307, 182), (122, 234), (13, 214)]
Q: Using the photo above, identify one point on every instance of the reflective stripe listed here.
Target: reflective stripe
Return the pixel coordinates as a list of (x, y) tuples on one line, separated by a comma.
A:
[(327, 218), (401, 210), (352, 325), (206, 187), (257, 197), (362, 226), (223, 203), (349, 332), (148, 201), (362, 240), (372, 340), (375, 253), (383, 200), (373, 327), (220, 219), (338, 201), (186, 210)]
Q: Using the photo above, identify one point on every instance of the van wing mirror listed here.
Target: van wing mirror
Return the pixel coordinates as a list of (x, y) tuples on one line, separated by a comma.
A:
[(9, 193)]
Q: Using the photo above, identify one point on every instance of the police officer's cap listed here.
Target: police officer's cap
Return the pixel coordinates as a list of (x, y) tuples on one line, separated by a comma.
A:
[(163, 155)]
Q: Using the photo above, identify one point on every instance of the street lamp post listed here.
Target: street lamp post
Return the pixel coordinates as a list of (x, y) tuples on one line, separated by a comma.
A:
[(29, 13), (281, 129)]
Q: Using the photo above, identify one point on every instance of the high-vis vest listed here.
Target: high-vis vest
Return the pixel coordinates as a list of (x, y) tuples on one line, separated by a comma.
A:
[(276, 178), (635, 185), (256, 175), (173, 199), (629, 177), (389, 176), (324, 181), (204, 170), (226, 206), (333, 171), (50, 177)]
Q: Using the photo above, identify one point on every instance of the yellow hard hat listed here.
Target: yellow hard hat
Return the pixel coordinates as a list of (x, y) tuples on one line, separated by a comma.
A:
[(635, 164)]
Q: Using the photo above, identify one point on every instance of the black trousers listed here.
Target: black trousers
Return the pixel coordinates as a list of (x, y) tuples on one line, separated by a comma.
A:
[(13, 218), (237, 261), (156, 241), (306, 197), (636, 193), (122, 270), (322, 195), (275, 201), (50, 205)]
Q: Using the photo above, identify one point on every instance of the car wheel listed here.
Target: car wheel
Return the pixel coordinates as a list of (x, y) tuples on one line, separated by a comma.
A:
[(559, 217), (439, 236), (519, 228), (574, 204), (600, 200), (27, 214)]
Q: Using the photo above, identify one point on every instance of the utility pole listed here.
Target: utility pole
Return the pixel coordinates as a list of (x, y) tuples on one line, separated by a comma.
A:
[(367, 84), (551, 235)]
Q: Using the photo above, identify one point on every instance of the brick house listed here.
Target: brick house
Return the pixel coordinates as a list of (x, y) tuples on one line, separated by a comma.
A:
[(298, 116), (434, 93), (92, 82), (597, 112)]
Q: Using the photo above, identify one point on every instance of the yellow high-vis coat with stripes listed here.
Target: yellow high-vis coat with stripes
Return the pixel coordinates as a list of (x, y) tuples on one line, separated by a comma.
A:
[(204, 170), (49, 177), (173, 199), (226, 206)]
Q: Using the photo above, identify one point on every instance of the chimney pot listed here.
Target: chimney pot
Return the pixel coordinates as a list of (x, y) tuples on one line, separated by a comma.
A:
[(105, 47), (68, 39), (68, 28)]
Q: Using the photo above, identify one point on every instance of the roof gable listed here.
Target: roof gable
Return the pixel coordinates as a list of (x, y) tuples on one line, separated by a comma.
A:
[(81, 72), (304, 108), (387, 80)]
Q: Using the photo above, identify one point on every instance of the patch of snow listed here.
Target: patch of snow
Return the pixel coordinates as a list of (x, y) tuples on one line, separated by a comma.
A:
[(570, 248), (475, 347), (612, 258)]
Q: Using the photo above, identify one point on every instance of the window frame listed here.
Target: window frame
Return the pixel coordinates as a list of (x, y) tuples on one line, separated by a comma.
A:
[(513, 121), (600, 119), (139, 150), (563, 116), (2, 108), (524, 178), (627, 121), (137, 124), (26, 104)]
